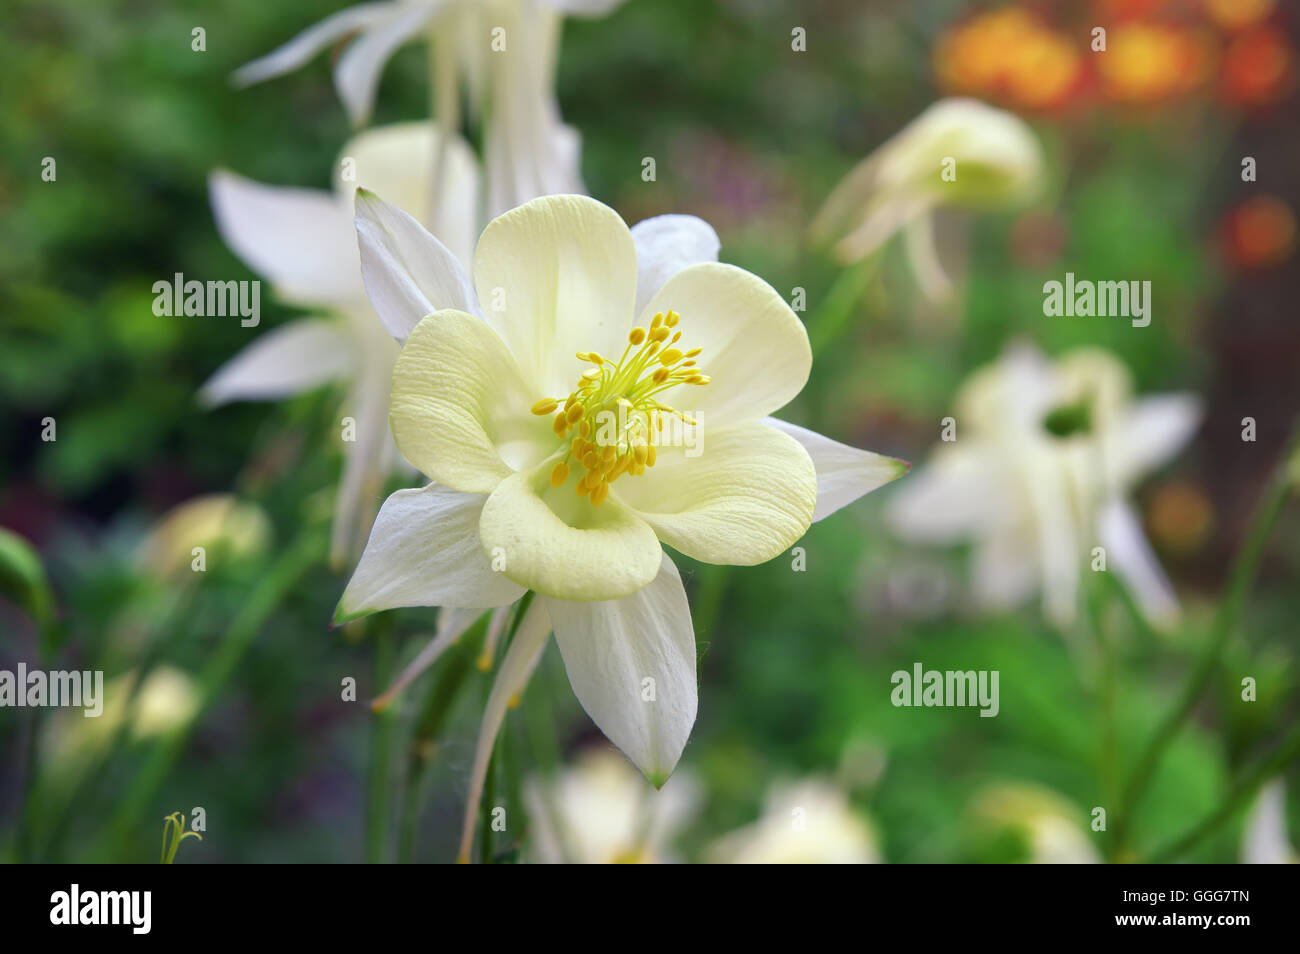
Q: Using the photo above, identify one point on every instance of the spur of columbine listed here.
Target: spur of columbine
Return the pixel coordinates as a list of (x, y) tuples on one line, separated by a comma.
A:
[(611, 395)]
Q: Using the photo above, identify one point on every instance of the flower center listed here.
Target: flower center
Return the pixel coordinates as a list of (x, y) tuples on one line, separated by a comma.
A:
[(613, 419)]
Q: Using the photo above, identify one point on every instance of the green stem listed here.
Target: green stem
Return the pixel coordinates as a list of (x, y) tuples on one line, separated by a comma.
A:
[(1284, 755), (1225, 624), (452, 671), (378, 790), (1106, 699), (301, 555), (826, 323)]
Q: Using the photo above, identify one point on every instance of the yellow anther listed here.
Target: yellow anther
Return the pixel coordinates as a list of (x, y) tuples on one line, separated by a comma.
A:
[(661, 375), (599, 493), (693, 352), (575, 413), (650, 456), (591, 460), (560, 424), (672, 318), (670, 356), (636, 336), (659, 334), (545, 406), (584, 428), (513, 701), (639, 453), (657, 320), (583, 489), (591, 374), (609, 452), (484, 662), (560, 474)]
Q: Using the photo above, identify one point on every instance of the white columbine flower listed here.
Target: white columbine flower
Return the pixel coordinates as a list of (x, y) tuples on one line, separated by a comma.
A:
[(504, 51), (538, 418), (809, 822), (1044, 457), (958, 153), (304, 242), (1050, 827), (600, 812)]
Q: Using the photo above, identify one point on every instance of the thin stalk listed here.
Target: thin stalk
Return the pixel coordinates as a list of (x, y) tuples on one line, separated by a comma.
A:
[(1240, 580), (378, 790)]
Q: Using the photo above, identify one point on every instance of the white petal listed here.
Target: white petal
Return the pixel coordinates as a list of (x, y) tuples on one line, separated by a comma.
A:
[(521, 659), (959, 491), (583, 8), (298, 239), (1004, 571), (1130, 556), (366, 460), (1155, 429), (424, 551), (610, 651), (844, 473), (665, 245), (295, 357), (401, 163), (407, 272), (1060, 549), (356, 76), (309, 42)]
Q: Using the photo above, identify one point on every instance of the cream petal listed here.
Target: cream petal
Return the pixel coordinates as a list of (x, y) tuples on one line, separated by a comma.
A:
[(754, 349), (298, 239), (521, 659), (287, 360), (844, 473), (367, 461), (557, 276), (356, 75), (398, 162), (309, 42), (424, 551), (612, 648), (665, 245), (460, 412), (1265, 840), (740, 496), (1130, 557), (407, 272), (554, 542)]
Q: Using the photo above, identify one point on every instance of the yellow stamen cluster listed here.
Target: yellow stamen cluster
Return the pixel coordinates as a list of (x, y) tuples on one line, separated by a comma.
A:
[(613, 418)]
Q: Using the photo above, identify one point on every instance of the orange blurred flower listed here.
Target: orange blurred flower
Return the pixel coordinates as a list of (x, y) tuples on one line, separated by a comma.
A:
[(1238, 14), (1180, 517), (1147, 63), (1009, 55), (1259, 233), (1258, 68)]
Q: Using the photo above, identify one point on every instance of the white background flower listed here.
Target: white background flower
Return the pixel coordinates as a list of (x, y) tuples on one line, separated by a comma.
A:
[(303, 242), (1036, 503), (804, 822)]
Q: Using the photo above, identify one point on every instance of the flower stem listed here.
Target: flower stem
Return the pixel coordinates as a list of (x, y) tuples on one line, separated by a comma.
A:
[(837, 308), (1240, 579), (378, 789)]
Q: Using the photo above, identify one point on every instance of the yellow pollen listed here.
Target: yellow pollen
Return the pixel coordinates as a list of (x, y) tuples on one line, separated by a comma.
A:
[(613, 418)]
